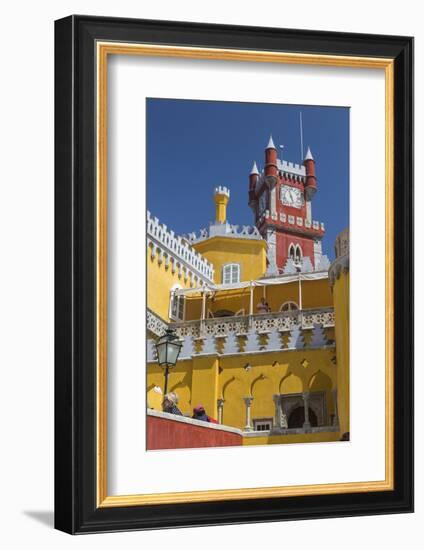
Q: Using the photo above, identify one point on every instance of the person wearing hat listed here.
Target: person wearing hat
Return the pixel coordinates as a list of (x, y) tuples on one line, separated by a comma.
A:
[(199, 413)]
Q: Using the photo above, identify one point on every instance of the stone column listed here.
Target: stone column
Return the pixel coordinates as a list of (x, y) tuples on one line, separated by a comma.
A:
[(306, 424), (248, 403), (220, 403), (277, 403)]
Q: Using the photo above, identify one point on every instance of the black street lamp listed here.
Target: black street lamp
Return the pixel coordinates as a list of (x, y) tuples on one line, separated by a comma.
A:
[(168, 348)]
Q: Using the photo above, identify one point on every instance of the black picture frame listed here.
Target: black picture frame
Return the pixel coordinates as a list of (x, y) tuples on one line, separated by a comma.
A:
[(76, 510)]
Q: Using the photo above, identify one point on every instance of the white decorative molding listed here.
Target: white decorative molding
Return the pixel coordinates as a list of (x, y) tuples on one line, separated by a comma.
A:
[(224, 230), (221, 190), (244, 325), (155, 324), (151, 355), (162, 241)]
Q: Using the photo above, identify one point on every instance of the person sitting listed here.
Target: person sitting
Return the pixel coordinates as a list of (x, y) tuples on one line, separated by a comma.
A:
[(199, 413), (263, 306), (169, 404)]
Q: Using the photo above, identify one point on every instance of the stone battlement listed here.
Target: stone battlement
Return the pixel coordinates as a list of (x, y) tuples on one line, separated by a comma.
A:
[(291, 167), (221, 190), (166, 243)]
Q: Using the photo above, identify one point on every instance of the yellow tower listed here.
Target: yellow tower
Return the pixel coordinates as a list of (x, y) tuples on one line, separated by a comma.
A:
[(339, 280), (221, 197)]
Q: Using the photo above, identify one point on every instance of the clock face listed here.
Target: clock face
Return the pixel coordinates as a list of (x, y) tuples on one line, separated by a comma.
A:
[(291, 196)]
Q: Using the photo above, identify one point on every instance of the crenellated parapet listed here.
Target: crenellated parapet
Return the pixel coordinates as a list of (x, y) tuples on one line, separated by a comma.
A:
[(175, 252), (224, 230)]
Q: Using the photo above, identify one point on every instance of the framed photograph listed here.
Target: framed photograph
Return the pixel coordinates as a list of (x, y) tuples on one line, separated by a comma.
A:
[(234, 274)]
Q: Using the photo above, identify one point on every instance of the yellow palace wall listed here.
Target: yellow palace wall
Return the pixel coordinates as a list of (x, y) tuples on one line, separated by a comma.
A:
[(160, 281), (341, 313), (205, 379), (249, 253)]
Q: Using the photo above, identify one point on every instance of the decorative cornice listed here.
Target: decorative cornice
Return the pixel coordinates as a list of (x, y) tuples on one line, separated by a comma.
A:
[(225, 230)]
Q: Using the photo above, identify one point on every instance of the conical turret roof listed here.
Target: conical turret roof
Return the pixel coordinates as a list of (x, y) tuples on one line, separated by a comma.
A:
[(254, 169), (308, 155), (271, 143)]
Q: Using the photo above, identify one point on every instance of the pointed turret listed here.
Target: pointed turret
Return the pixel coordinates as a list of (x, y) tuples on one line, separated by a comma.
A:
[(308, 155), (254, 169), (253, 178), (271, 170), (311, 180), (271, 143)]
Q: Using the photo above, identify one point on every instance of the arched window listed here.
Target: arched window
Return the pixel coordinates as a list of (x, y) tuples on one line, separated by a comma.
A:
[(230, 274), (291, 252), (289, 306), (298, 254), (177, 305)]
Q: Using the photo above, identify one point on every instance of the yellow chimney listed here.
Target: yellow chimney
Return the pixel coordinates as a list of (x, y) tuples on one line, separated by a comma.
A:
[(221, 198)]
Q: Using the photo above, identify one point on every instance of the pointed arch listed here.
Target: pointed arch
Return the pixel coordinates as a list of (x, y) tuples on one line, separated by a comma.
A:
[(256, 381), (291, 383), (320, 381)]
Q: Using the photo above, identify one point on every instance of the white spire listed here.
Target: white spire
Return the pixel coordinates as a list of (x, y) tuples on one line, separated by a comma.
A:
[(309, 154), (271, 143), (254, 169)]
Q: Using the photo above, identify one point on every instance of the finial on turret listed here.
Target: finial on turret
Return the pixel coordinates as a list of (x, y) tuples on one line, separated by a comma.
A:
[(254, 170), (308, 155), (271, 143)]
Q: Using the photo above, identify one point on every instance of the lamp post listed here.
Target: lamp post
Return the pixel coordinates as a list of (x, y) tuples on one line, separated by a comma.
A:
[(168, 348)]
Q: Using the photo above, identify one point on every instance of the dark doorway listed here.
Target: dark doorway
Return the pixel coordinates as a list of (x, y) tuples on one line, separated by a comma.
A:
[(297, 418)]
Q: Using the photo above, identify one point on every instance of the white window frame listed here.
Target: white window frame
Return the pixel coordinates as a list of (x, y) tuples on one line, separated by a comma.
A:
[(180, 300), (231, 267), (257, 422)]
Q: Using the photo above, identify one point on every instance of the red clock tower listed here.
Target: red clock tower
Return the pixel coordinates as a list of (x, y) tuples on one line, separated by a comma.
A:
[(280, 197)]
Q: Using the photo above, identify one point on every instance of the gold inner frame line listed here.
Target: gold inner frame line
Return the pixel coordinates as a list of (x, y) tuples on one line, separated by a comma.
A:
[(103, 50)]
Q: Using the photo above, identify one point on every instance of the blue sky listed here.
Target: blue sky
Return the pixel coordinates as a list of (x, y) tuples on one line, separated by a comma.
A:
[(194, 146)]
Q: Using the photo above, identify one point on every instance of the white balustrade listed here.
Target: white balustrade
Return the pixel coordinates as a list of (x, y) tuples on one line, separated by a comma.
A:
[(263, 323)]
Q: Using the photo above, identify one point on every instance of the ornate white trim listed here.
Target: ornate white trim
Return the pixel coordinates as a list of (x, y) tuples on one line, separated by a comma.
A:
[(175, 250), (155, 324)]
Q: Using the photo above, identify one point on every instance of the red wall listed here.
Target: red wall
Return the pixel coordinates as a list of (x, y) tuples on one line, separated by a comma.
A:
[(163, 433), (283, 242)]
